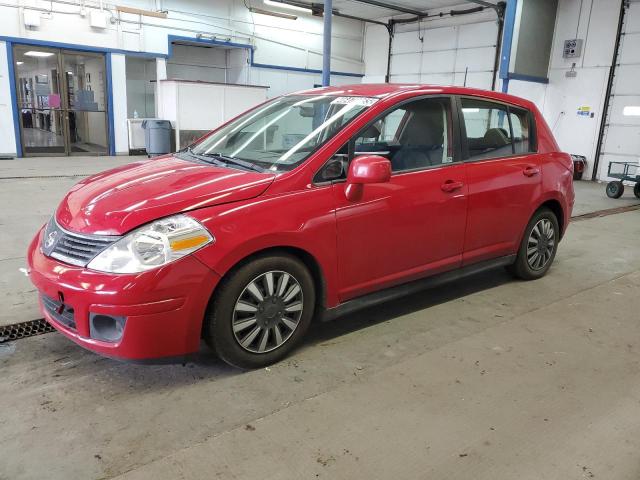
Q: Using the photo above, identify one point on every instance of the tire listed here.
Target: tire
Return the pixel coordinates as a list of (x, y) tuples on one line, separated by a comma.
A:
[(615, 189), (528, 266), (636, 190), (236, 316)]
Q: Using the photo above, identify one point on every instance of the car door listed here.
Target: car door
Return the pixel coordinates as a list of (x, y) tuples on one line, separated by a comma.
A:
[(414, 224), (503, 174)]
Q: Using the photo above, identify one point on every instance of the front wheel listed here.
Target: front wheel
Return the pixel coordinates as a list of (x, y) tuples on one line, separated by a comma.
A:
[(261, 311), (538, 247), (636, 190)]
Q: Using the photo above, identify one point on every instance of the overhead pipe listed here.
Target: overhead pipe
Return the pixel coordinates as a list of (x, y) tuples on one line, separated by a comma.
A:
[(326, 43)]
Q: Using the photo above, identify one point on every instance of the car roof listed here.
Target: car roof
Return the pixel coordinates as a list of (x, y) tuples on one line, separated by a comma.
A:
[(386, 90)]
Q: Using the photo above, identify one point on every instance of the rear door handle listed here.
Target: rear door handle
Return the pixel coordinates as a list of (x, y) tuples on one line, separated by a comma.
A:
[(451, 186), (531, 170)]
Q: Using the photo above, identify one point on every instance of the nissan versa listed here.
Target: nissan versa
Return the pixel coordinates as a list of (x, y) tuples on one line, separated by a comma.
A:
[(303, 208)]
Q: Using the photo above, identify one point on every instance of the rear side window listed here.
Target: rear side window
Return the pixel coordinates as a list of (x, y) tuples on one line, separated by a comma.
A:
[(494, 130)]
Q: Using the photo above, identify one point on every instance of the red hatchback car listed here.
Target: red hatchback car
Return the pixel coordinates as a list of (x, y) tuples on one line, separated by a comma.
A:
[(307, 206)]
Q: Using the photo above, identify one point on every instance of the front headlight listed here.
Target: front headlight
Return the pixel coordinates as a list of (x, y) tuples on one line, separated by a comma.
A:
[(153, 245)]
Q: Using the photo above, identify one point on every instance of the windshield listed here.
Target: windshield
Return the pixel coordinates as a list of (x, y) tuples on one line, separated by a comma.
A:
[(281, 134)]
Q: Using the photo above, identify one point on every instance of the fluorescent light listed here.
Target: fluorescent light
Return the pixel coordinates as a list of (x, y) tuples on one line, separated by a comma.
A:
[(260, 11), (70, 73), (631, 111), (288, 6), (471, 110), (19, 63), (35, 53)]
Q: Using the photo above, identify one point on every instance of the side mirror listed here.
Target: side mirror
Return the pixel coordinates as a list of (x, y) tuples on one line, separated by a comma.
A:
[(366, 169)]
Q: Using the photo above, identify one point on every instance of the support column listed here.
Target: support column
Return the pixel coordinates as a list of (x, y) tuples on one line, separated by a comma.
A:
[(326, 43), (118, 94)]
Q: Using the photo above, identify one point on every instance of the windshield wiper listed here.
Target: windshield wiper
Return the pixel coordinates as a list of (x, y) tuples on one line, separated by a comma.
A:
[(203, 158), (235, 161)]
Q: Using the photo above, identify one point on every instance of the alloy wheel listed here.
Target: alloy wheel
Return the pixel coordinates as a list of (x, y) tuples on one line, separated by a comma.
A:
[(267, 311), (541, 244)]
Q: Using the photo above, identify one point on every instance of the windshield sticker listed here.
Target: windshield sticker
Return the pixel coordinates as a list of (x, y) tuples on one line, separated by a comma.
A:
[(362, 101)]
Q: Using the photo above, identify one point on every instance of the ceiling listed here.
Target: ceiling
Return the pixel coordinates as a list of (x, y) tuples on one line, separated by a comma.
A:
[(372, 12)]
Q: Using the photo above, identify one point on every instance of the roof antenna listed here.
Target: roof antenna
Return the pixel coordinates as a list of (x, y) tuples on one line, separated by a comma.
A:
[(465, 76)]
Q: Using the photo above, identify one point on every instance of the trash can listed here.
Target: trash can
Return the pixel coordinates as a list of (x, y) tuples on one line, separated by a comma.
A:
[(157, 136)]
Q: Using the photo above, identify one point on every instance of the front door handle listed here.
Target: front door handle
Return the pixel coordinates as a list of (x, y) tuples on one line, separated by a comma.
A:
[(531, 170), (451, 186)]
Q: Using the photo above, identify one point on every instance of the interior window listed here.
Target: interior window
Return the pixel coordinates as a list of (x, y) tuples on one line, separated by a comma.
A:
[(487, 126), (413, 136), (521, 130)]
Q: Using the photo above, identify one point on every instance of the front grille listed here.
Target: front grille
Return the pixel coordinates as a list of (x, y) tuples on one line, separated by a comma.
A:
[(73, 248), (60, 312)]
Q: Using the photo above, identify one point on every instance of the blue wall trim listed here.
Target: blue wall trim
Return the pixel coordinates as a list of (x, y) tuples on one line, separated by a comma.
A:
[(202, 41), (110, 116), (303, 70), (528, 78), (14, 99), (82, 48)]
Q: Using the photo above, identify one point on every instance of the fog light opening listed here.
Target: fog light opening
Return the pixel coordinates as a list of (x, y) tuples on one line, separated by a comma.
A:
[(106, 327)]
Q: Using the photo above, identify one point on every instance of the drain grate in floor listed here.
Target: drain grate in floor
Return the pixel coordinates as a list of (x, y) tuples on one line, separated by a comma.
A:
[(24, 329)]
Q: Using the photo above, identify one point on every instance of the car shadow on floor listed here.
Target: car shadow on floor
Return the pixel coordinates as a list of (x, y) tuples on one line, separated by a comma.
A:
[(323, 331)]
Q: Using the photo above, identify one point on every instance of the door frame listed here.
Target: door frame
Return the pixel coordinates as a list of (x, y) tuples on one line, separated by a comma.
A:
[(10, 41), (64, 108)]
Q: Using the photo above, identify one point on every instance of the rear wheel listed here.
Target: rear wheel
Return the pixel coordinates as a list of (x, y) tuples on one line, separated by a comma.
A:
[(538, 247), (261, 311), (636, 190), (615, 189)]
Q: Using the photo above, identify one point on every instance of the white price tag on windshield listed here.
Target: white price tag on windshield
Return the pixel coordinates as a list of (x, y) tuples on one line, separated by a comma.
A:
[(362, 101)]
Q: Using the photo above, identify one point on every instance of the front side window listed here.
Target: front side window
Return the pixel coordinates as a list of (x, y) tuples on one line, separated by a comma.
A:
[(414, 135), (281, 134)]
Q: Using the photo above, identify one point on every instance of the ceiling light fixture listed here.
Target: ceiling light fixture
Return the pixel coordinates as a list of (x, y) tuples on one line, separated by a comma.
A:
[(19, 63), (273, 14), (288, 6), (35, 53)]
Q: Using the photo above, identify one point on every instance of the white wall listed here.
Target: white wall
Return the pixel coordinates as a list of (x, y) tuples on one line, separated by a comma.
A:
[(596, 22), (279, 42)]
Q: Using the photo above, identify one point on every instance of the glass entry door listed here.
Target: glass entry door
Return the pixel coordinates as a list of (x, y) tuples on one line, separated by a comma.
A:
[(61, 98)]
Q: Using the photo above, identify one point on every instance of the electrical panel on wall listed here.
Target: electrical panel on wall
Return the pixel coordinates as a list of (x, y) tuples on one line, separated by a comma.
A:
[(572, 48)]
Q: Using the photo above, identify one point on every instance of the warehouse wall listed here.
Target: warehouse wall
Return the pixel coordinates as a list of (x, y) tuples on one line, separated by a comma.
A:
[(596, 22), (451, 44), (282, 47), (438, 51)]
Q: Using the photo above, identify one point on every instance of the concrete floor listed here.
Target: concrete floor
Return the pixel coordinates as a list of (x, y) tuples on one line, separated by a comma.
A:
[(488, 378)]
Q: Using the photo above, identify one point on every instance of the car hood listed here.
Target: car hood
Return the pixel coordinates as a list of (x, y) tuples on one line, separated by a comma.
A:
[(116, 201)]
